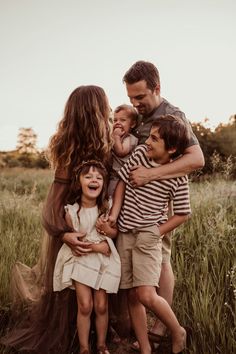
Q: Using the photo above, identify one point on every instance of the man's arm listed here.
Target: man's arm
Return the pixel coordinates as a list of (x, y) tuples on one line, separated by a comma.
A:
[(191, 160)]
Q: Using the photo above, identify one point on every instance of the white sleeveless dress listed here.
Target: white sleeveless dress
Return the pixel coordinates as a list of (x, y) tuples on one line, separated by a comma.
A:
[(95, 269)]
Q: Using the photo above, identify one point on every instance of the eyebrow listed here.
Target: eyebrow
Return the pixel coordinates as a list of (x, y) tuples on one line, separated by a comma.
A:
[(140, 95)]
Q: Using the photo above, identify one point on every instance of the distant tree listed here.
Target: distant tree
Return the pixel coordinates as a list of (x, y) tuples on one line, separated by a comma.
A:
[(218, 146), (208, 143), (226, 137), (26, 141)]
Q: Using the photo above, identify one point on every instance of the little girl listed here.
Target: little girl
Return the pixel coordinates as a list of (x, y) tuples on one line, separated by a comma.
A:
[(98, 272), (125, 119)]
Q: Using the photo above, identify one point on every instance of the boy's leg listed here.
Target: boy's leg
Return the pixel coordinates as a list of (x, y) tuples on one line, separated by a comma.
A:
[(101, 318), (139, 321), (85, 306), (165, 290), (148, 296)]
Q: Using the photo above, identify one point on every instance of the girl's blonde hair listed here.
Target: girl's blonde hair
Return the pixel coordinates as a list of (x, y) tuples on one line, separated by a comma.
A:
[(84, 132)]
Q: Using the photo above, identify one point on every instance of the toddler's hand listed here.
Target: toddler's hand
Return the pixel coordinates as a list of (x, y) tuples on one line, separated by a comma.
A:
[(117, 131)]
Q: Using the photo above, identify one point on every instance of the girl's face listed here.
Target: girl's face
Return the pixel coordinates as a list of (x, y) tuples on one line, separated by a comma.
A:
[(123, 121), (91, 184)]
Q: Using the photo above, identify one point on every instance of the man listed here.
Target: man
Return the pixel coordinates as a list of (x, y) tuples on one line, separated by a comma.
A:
[(144, 91)]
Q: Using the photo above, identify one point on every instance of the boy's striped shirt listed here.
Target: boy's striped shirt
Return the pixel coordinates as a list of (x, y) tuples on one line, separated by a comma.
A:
[(148, 205)]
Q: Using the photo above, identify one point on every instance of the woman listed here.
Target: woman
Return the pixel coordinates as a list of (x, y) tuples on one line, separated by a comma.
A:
[(83, 134)]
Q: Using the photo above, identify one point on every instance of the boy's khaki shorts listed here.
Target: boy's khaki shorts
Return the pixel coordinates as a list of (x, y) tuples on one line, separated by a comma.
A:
[(141, 252)]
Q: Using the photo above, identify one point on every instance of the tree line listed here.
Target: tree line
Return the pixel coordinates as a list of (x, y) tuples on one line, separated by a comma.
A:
[(218, 146)]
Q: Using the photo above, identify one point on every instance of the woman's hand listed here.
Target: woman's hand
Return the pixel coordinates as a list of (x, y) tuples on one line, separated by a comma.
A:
[(78, 247), (102, 248)]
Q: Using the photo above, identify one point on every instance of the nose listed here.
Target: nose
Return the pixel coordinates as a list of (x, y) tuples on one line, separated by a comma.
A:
[(134, 102), (94, 179), (147, 141)]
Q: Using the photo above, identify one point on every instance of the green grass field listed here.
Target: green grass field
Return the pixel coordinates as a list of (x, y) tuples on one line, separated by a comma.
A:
[(204, 253)]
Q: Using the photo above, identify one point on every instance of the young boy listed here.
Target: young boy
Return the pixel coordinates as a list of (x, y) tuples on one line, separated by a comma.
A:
[(143, 222), (125, 118)]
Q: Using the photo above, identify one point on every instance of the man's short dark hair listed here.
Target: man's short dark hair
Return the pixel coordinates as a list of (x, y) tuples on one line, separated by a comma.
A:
[(143, 70)]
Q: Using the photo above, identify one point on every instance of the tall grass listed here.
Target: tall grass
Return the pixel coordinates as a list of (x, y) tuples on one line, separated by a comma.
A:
[(21, 197), (204, 259), (204, 253)]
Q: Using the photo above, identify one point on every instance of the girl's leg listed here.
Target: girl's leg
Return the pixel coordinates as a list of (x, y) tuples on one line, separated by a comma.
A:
[(101, 318), (147, 295), (85, 306)]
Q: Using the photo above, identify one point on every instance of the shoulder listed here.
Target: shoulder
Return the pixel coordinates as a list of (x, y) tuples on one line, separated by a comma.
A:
[(140, 150), (72, 207), (182, 180), (133, 139), (171, 109)]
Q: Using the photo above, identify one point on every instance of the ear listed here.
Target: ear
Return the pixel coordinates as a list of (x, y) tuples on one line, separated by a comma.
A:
[(133, 124), (172, 151), (157, 89)]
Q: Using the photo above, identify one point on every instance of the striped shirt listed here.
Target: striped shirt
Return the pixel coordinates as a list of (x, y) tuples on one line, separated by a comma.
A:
[(148, 205)]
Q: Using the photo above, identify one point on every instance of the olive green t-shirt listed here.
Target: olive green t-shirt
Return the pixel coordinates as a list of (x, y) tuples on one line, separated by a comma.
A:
[(143, 127)]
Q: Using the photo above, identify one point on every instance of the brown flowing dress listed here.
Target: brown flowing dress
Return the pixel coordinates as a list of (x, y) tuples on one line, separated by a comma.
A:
[(43, 321)]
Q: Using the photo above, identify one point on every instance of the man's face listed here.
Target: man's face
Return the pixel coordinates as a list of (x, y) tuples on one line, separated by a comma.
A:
[(142, 98)]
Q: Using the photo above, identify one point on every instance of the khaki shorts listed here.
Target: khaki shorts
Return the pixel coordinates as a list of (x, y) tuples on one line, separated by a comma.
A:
[(140, 252), (166, 248)]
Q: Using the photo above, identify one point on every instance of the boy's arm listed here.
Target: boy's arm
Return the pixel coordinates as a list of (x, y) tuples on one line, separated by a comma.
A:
[(118, 198), (173, 222), (191, 160)]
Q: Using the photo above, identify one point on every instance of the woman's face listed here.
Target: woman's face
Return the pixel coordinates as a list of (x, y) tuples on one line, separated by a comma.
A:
[(91, 184)]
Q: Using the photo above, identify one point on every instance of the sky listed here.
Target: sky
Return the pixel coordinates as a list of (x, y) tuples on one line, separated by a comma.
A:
[(50, 47)]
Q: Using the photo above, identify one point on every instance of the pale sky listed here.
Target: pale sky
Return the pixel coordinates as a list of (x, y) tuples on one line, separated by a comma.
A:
[(50, 47)]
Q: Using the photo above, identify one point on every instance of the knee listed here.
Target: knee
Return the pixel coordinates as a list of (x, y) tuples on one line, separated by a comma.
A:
[(101, 307), (85, 307), (146, 296)]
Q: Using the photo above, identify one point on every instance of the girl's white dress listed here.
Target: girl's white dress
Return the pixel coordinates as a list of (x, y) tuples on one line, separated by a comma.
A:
[(95, 269)]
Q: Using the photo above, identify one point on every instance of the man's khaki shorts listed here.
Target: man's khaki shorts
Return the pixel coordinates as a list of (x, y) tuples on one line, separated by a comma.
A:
[(141, 252)]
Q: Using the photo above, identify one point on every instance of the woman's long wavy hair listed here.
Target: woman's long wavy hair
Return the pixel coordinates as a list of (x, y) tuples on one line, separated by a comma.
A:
[(84, 131)]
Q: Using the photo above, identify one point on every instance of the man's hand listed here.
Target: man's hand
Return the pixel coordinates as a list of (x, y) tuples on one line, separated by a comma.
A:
[(139, 176), (78, 248)]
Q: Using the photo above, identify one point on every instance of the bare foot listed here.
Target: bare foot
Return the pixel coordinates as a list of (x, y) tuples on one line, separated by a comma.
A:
[(179, 340)]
